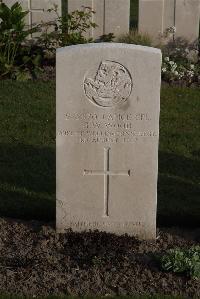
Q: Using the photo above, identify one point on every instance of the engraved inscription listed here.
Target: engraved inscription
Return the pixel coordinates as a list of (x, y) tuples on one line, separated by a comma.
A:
[(106, 173), (97, 224), (90, 116), (88, 127), (106, 136), (111, 86)]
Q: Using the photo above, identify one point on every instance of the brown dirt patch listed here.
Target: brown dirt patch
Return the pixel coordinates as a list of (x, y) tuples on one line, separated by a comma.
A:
[(34, 260)]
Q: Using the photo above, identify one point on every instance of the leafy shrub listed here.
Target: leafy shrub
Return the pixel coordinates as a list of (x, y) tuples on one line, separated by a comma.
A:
[(22, 58), (17, 59), (182, 261), (180, 50), (185, 72), (67, 30), (135, 38), (181, 62), (106, 38)]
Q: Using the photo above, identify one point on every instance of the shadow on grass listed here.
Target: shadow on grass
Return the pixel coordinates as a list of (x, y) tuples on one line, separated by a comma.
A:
[(28, 176), (178, 191), (27, 181)]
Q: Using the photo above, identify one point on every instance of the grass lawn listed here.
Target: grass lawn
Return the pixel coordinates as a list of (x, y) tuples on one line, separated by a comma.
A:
[(27, 150), (179, 157), (27, 153)]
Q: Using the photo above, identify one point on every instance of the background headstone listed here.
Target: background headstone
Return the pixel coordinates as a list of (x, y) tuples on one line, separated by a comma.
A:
[(155, 16), (151, 17), (112, 16), (187, 19), (108, 99)]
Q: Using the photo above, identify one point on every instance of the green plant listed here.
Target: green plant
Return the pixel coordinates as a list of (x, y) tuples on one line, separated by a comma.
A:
[(69, 29), (106, 38), (180, 62), (180, 50), (12, 18), (16, 57), (97, 261), (182, 261), (173, 71), (134, 37)]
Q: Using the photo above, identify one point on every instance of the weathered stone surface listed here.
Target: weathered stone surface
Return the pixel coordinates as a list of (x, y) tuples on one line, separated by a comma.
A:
[(117, 16), (112, 16), (155, 16), (151, 17), (108, 98), (187, 19)]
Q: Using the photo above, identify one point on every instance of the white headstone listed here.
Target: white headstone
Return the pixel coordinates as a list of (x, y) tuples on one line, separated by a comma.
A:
[(187, 19), (151, 17), (111, 16), (108, 99), (155, 16)]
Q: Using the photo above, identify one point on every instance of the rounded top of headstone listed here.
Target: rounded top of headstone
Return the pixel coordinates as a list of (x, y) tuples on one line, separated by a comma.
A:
[(109, 45)]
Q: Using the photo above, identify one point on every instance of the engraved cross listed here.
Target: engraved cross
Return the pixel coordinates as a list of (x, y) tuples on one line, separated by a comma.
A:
[(106, 173)]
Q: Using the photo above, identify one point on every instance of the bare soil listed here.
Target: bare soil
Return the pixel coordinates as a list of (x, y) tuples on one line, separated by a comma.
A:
[(34, 260)]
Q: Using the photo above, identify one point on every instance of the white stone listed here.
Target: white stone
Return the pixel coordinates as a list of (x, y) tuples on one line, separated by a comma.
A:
[(108, 99), (187, 19), (151, 17), (111, 16), (155, 16)]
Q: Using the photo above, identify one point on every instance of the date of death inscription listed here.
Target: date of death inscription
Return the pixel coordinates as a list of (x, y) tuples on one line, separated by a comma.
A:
[(107, 128)]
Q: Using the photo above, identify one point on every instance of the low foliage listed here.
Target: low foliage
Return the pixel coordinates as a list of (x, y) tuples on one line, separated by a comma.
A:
[(22, 57), (183, 261), (106, 38), (186, 72), (18, 59), (134, 37), (67, 30), (180, 62)]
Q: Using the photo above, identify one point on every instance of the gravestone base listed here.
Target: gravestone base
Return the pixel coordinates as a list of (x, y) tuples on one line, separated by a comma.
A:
[(133, 229)]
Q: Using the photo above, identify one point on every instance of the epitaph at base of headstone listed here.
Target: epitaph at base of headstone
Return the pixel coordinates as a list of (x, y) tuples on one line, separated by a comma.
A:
[(108, 99)]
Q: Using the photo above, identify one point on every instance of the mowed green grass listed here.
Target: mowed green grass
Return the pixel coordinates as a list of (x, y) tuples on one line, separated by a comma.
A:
[(27, 153), (179, 157), (27, 150)]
